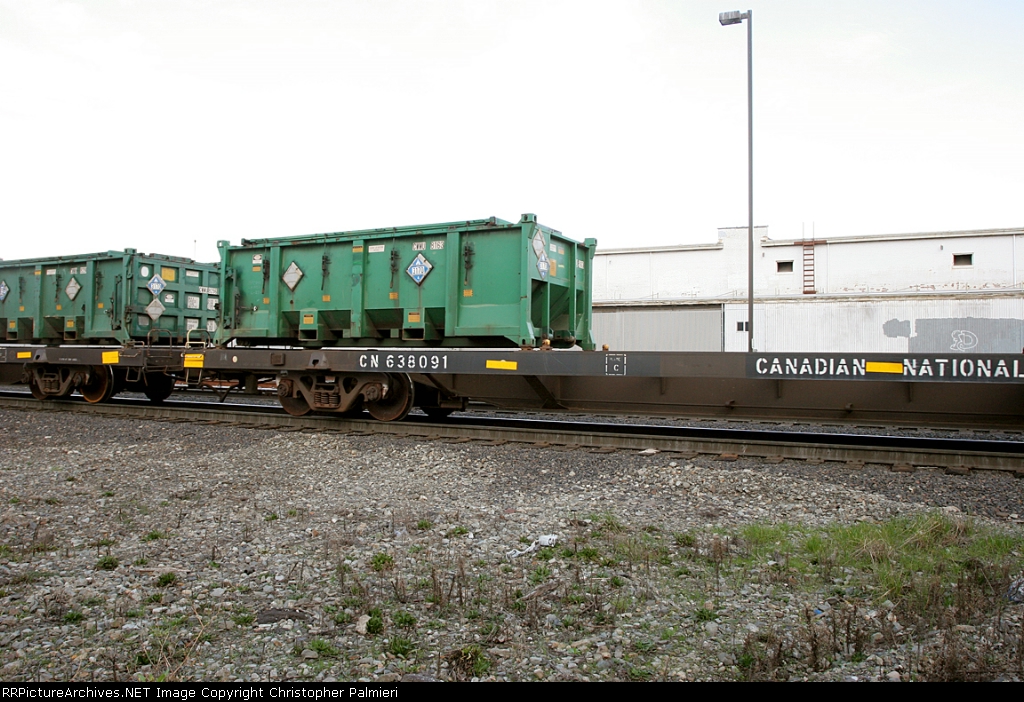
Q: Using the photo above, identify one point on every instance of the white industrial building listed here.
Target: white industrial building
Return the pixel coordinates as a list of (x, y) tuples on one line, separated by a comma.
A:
[(930, 292)]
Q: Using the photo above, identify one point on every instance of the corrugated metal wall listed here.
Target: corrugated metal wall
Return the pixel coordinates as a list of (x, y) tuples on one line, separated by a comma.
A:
[(683, 328)]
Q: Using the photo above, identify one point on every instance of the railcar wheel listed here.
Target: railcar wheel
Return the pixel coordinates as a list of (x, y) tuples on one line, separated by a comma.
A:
[(158, 387), (100, 386), (295, 406), (397, 403), (37, 392)]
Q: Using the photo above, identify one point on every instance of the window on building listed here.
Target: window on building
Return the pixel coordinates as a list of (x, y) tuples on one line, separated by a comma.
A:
[(784, 266), (742, 326), (961, 260)]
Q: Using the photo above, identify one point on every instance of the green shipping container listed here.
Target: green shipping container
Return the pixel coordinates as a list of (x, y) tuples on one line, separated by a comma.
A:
[(112, 297), (482, 283)]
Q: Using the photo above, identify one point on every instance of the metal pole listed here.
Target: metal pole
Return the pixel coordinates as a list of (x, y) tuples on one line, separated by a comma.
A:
[(750, 185)]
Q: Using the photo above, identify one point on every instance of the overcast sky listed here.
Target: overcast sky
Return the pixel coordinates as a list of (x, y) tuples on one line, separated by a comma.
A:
[(166, 126)]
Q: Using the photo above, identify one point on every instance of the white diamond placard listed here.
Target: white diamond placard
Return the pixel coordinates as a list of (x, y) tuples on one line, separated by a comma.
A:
[(155, 309), (72, 289), (538, 243), (3, 290), (419, 268), (156, 286), (292, 276), (543, 265)]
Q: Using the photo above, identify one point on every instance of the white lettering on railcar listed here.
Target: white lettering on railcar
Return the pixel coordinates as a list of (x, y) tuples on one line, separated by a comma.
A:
[(404, 361), (957, 368)]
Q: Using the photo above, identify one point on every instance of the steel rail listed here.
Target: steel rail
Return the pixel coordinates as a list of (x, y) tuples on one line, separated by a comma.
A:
[(901, 452)]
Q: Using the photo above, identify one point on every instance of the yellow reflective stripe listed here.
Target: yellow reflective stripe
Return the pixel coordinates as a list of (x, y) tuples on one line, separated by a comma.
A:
[(110, 357), (884, 367), (24, 354), (193, 360), (502, 365)]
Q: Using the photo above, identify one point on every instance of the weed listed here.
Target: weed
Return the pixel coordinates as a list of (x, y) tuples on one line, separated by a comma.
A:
[(155, 598), (589, 553), (107, 563), (400, 646), (546, 554), (458, 531), (324, 648), (167, 579), (424, 524), (243, 619), (14, 501), (135, 613), (52, 501), (468, 661), (616, 581), (107, 493), (685, 540), (540, 574), (381, 562), (375, 625), (292, 512), (270, 517), (154, 535), (703, 614), (140, 561), (73, 616), (92, 601), (403, 619)]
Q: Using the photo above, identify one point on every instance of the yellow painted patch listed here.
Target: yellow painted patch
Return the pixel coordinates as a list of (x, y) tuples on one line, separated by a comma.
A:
[(502, 365), (22, 308), (69, 323), (357, 249), (327, 298), (256, 269), (307, 319), (110, 357), (553, 267), (12, 324), (193, 360), (99, 306), (393, 296), (266, 301), (168, 274), (39, 272), (59, 307), (882, 367), (467, 292), (414, 316), (24, 354)]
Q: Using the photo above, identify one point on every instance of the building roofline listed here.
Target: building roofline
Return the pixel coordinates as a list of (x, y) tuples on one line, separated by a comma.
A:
[(832, 297), (966, 233)]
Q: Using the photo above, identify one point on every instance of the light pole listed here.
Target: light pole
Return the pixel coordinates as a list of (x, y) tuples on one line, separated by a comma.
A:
[(727, 18)]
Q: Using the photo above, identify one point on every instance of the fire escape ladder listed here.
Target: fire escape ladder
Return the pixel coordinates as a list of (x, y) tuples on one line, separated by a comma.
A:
[(809, 268)]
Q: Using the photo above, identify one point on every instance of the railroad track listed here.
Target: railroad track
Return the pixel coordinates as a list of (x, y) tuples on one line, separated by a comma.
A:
[(899, 452)]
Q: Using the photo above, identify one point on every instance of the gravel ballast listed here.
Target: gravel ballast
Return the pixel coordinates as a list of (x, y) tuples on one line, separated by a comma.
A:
[(147, 550)]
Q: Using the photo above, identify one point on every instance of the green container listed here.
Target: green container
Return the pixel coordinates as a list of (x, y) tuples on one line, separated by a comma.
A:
[(112, 297), (483, 283)]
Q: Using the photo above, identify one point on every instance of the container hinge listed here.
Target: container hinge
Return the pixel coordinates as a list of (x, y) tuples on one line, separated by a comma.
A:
[(467, 257), (112, 312), (394, 266), (266, 273), (325, 262)]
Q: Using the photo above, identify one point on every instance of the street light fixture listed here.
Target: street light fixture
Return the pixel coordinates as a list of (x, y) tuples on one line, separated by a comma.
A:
[(727, 18)]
